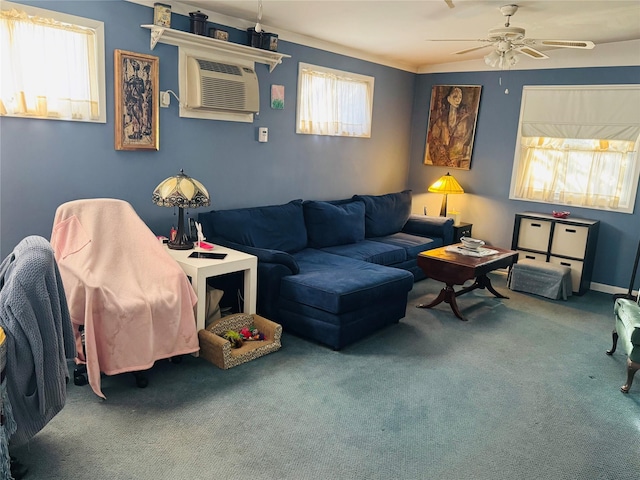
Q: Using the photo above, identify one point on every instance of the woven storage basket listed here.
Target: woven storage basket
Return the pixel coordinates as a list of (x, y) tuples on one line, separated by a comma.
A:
[(218, 350)]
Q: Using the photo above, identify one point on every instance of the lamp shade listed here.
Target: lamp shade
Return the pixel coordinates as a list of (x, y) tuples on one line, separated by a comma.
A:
[(445, 185), (183, 192), (492, 59), (502, 59)]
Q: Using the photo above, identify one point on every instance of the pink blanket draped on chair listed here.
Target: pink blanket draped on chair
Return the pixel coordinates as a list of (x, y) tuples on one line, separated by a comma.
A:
[(134, 300)]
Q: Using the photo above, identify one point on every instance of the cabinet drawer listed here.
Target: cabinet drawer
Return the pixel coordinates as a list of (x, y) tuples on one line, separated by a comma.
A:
[(569, 240), (576, 270), (534, 234), (540, 257)]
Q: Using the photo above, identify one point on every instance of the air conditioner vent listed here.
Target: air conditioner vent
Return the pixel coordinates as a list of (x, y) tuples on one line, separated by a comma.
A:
[(220, 86), (219, 67), (218, 91)]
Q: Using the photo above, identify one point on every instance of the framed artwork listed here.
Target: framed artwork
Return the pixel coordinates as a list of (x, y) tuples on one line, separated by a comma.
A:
[(136, 101), (452, 125), (277, 97)]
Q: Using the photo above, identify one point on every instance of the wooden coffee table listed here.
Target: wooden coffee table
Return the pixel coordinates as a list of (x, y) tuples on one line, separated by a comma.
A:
[(453, 268)]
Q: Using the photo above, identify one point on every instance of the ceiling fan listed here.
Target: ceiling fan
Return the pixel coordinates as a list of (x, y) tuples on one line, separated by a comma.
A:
[(508, 41)]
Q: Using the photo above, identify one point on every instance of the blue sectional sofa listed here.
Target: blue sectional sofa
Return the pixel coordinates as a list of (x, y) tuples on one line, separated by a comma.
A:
[(332, 271)]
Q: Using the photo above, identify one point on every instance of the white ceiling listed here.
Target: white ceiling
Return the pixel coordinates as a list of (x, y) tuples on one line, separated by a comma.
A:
[(398, 33)]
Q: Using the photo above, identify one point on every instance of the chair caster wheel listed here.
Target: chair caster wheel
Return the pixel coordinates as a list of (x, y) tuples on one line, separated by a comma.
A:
[(79, 379), (141, 380)]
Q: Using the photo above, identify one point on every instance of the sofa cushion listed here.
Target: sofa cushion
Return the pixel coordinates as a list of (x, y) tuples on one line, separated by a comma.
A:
[(339, 284), (385, 214), (330, 224), (370, 251), (276, 227)]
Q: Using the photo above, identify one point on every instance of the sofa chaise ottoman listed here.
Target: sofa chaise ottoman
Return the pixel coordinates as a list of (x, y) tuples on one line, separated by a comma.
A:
[(332, 271)]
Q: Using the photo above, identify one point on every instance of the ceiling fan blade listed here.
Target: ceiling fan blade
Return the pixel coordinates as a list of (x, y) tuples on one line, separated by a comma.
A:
[(467, 50), (450, 3), (531, 52), (586, 44)]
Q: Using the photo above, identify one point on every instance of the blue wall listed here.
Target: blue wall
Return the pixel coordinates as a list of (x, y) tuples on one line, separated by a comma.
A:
[(46, 163), (486, 201)]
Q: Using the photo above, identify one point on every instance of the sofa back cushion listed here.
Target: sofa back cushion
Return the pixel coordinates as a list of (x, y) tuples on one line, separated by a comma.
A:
[(385, 214), (330, 224), (276, 227)]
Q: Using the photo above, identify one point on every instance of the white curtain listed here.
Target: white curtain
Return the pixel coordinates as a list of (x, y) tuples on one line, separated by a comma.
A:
[(332, 105), (48, 68), (590, 173)]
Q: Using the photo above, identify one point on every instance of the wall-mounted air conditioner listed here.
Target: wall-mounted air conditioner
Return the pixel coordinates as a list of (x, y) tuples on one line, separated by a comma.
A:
[(220, 86)]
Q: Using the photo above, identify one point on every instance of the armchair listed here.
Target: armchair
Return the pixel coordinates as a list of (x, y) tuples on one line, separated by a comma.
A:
[(130, 298), (627, 315)]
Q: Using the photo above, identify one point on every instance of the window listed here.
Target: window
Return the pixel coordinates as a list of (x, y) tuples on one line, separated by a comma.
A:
[(333, 102), (578, 146), (52, 65)]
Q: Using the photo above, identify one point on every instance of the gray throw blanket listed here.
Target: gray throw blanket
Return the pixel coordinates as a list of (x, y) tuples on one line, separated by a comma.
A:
[(40, 339)]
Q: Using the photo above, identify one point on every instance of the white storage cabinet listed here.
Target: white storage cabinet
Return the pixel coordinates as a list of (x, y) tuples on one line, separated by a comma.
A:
[(564, 241)]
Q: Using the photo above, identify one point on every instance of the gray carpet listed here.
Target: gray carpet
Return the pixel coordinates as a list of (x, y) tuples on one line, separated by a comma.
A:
[(523, 390)]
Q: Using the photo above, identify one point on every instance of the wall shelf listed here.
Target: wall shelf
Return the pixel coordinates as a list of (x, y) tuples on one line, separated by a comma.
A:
[(186, 39)]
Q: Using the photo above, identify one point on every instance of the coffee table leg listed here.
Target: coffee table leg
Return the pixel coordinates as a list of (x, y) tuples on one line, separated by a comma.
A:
[(439, 299), (482, 281), (446, 295)]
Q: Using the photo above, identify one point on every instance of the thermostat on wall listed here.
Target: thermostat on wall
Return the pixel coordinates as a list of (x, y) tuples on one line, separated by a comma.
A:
[(263, 134)]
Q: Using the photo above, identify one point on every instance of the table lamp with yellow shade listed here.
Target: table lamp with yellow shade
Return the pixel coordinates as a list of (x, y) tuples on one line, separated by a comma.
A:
[(445, 185)]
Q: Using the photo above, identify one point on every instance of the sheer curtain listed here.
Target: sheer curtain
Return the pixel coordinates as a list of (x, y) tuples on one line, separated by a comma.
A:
[(333, 105), (590, 173), (49, 68), (578, 145)]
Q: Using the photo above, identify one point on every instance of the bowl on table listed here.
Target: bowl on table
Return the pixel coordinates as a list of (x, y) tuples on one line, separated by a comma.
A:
[(471, 243)]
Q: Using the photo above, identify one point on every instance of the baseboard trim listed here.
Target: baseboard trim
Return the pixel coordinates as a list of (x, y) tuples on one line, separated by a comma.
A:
[(601, 287)]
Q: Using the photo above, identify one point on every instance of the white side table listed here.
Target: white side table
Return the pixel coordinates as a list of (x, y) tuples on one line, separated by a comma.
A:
[(199, 269)]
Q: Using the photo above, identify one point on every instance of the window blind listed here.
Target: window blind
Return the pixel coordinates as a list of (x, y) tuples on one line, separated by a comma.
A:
[(605, 112)]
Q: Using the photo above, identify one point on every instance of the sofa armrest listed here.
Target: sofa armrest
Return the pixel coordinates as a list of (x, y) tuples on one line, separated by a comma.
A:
[(428, 226), (264, 254)]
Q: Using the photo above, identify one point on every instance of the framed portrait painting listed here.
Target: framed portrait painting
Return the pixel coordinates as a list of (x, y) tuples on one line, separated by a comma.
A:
[(452, 125), (136, 101)]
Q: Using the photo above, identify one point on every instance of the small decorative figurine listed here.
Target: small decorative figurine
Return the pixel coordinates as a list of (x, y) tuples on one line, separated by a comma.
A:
[(201, 237)]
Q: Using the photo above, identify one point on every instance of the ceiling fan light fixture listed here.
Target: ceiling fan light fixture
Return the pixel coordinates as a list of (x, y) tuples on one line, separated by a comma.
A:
[(492, 59), (511, 58), (502, 60)]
